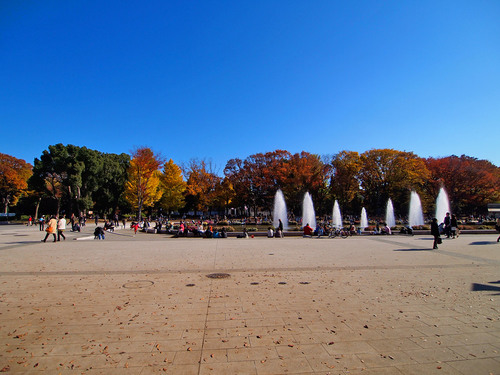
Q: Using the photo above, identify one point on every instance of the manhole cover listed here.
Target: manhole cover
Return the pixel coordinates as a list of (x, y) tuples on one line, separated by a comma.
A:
[(218, 276), (138, 284), (189, 284), (282, 283)]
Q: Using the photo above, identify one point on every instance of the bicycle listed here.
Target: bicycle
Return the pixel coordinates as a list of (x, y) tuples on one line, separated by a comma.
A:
[(339, 232)]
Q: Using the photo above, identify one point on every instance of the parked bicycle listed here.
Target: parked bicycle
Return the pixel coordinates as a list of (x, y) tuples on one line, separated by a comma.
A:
[(339, 232)]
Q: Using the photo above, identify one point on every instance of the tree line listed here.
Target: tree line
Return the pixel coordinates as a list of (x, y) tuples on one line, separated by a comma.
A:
[(75, 180)]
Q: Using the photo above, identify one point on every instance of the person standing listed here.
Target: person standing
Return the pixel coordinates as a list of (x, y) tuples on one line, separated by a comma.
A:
[(51, 229), (454, 226), (280, 229), (61, 227), (435, 233), (498, 228), (447, 225)]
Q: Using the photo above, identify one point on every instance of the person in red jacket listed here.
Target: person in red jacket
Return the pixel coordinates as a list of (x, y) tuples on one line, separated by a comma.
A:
[(308, 231)]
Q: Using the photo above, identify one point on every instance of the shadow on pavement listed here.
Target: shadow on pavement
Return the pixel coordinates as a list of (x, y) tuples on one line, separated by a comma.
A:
[(413, 249), (483, 243), (486, 287)]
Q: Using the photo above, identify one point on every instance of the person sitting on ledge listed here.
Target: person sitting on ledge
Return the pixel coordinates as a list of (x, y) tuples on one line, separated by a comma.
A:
[(386, 229), (108, 226), (270, 232), (308, 231)]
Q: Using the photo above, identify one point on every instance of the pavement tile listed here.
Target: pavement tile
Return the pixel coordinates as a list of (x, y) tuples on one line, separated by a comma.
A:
[(428, 369), (477, 366), (252, 354), (386, 359), (230, 368), (476, 351), (281, 366), (309, 350), (380, 371), (394, 344), (433, 355), (340, 362), (349, 347)]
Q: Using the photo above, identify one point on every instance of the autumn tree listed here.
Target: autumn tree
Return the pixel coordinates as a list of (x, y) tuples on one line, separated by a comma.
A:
[(345, 184), (201, 185), (258, 177), (388, 173), (224, 194), (470, 183), (173, 187), (14, 175), (142, 188), (304, 172)]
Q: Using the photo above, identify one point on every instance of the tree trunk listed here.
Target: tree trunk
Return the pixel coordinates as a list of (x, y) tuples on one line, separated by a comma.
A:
[(58, 206), (37, 207), (5, 205)]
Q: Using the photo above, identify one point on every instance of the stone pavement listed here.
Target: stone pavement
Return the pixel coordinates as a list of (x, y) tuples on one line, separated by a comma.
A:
[(144, 304)]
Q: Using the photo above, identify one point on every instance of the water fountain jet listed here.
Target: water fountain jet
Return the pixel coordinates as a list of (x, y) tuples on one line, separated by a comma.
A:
[(442, 205), (279, 211), (389, 214), (308, 214), (364, 219), (416, 216), (336, 217)]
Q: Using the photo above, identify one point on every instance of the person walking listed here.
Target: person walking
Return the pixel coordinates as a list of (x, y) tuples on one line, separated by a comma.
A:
[(41, 223), (435, 233), (497, 227), (51, 229), (61, 227)]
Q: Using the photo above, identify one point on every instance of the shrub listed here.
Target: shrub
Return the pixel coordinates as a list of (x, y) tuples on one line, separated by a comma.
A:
[(227, 228)]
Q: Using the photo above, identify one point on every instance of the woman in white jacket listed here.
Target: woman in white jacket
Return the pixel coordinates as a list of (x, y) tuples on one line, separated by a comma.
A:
[(61, 226)]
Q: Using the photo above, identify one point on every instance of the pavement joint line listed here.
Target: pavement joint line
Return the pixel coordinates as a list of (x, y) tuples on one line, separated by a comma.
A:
[(240, 270), (205, 326)]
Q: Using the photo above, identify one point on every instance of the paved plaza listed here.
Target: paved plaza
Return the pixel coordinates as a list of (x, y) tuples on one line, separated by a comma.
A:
[(143, 304)]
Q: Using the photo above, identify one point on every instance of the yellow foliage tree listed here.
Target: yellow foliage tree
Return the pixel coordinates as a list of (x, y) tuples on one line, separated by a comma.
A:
[(142, 188), (173, 187)]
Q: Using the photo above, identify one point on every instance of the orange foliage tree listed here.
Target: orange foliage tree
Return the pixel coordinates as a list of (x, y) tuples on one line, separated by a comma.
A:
[(14, 175), (304, 172), (142, 188), (201, 187), (470, 183), (256, 179)]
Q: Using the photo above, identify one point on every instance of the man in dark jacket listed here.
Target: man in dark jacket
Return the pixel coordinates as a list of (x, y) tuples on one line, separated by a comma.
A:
[(435, 232)]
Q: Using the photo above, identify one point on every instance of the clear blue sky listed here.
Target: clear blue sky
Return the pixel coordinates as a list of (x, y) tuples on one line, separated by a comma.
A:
[(226, 79)]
